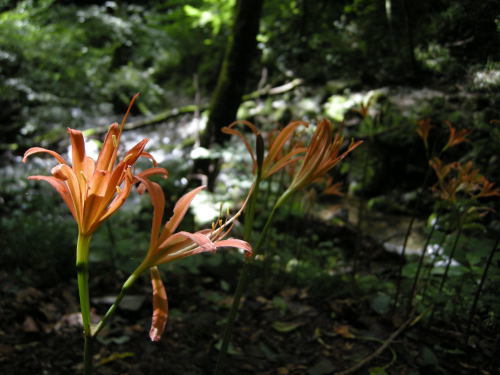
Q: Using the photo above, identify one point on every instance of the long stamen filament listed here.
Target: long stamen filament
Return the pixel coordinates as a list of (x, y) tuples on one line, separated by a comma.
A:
[(84, 177)]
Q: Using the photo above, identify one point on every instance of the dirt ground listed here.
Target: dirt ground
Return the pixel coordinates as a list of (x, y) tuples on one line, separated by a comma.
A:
[(288, 331)]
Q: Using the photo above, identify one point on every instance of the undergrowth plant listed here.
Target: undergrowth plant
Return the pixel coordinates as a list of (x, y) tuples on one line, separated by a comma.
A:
[(459, 189)]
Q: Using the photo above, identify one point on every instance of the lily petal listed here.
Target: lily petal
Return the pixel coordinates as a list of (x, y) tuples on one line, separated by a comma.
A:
[(202, 240), (107, 156), (66, 173), (35, 150), (158, 200), (180, 210), (160, 306), (229, 130), (282, 137), (153, 171), (118, 200), (233, 242), (150, 157), (77, 149), (61, 188)]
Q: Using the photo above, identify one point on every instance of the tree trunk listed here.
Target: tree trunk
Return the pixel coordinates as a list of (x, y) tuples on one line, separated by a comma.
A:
[(230, 88)]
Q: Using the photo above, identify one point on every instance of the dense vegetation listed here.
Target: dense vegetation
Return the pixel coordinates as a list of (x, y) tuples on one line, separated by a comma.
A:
[(407, 255)]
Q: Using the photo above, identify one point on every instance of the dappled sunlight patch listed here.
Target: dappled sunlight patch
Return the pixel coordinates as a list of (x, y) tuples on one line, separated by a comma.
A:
[(486, 79)]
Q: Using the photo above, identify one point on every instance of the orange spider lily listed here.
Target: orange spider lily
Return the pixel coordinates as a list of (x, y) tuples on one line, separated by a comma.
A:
[(455, 137), (441, 170), (274, 160), (332, 188), (466, 179), (486, 189), (423, 128), (166, 246), (322, 154), (93, 191)]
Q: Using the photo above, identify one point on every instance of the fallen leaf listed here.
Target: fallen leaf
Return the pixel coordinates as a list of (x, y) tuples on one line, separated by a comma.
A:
[(29, 325), (114, 357), (343, 330)]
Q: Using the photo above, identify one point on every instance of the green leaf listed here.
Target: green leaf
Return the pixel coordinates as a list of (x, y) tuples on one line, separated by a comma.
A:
[(381, 303), (284, 327), (230, 349)]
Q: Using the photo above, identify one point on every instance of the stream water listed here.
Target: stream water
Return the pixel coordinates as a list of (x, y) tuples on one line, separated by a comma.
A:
[(168, 144), (388, 229)]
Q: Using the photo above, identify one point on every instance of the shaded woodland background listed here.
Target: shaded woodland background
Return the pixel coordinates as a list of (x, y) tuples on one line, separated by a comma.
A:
[(334, 285)]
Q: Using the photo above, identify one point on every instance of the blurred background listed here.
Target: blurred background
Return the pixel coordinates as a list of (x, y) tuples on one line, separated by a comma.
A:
[(341, 273)]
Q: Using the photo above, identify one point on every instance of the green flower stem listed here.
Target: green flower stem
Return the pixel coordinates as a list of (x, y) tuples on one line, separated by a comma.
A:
[(448, 264), (478, 291), (407, 236), (130, 281), (243, 279), (419, 268), (82, 267), (452, 253), (250, 214), (428, 278)]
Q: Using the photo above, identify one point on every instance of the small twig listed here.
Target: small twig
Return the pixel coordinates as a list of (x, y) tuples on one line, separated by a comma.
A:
[(153, 119), (382, 347)]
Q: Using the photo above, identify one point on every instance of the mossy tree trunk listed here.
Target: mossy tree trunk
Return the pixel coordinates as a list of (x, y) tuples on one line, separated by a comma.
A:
[(230, 87)]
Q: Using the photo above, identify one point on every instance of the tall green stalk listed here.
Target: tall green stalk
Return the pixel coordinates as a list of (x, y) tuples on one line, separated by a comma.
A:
[(433, 262), (82, 267), (243, 278), (130, 281), (478, 291), (400, 269), (452, 253), (410, 225), (419, 268), (448, 264)]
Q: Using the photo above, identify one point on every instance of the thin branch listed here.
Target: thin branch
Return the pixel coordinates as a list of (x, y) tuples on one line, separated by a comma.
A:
[(411, 321)]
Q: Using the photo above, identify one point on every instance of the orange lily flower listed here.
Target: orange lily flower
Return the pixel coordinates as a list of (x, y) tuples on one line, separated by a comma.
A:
[(441, 170), (166, 246), (322, 154), (274, 160), (423, 128), (93, 191), (486, 189), (332, 188), (455, 137), (466, 179)]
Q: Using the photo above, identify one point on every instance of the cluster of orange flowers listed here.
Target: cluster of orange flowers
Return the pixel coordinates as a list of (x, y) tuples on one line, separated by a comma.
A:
[(94, 190), (455, 178), (307, 164)]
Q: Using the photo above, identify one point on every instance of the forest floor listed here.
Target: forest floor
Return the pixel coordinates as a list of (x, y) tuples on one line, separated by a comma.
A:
[(282, 329)]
